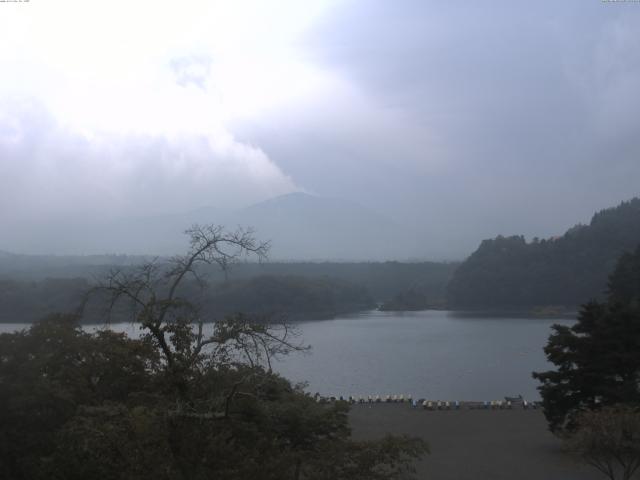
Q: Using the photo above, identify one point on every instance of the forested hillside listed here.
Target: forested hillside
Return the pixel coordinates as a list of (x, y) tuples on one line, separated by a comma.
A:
[(509, 272)]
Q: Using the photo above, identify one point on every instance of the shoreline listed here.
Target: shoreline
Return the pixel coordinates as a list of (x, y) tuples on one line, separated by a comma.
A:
[(504, 403), (516, 314)]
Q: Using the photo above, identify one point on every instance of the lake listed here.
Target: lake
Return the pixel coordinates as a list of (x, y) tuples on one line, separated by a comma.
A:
[(431, 354)]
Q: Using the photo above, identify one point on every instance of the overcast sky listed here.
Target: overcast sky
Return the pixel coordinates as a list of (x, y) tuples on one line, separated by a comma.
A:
[(462, 119)]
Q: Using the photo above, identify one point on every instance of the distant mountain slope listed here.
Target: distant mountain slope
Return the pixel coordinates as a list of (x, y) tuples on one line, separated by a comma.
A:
[(303, 226), (134, 235), (300, 226), (509, 272)]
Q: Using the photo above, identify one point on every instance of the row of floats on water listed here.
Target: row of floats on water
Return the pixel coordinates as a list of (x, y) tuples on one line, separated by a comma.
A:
[(508, 403)]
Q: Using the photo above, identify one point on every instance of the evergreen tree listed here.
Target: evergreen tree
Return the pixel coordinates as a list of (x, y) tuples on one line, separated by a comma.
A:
[(598, 358)]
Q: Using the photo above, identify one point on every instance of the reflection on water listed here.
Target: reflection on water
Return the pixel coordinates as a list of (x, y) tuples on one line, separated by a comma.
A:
[(434, 354)]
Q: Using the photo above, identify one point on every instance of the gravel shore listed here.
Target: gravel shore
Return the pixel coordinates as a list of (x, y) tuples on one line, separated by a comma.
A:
[(475, 444)]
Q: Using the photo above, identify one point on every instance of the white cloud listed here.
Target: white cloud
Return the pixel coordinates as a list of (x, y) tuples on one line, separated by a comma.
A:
[(117, 106), (48, 169)]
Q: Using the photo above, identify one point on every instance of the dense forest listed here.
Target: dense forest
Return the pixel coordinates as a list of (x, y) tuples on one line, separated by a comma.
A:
[(509, 272), (288, 297), (266, 297), (28, 301), (34, 286), (383, 280), (414, 299)]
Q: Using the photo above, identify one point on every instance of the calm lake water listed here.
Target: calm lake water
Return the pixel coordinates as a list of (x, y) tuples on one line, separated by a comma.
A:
[(431, 354)]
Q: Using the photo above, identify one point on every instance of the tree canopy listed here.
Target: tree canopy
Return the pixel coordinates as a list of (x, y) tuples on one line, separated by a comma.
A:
[(509, 272), (293, 297), (184, 401), (31, 287), (598, 358)]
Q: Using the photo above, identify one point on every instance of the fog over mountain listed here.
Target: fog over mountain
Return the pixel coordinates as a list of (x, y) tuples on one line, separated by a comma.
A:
[(298, 225), (454, 121), (303, 226)]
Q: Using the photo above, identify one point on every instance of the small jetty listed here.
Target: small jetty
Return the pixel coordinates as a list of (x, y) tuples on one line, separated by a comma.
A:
[(505, 403)]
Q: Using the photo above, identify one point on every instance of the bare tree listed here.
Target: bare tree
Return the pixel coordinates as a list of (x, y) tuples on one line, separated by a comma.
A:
[(174, 323), (609, 440)]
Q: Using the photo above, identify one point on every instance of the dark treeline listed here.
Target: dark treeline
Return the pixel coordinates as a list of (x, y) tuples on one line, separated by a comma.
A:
[(40, 267), (290, 290), (265, 297), (383, 280), (28, 301), (289, 297), (414, 299), (508, 272)]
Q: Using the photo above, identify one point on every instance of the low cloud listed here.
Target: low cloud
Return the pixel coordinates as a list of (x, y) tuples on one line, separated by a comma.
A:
[(462, 120), (49, 170), (471, 120)]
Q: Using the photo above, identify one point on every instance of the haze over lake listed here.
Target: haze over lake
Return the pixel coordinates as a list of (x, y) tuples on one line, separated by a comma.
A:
[(431, 354)]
